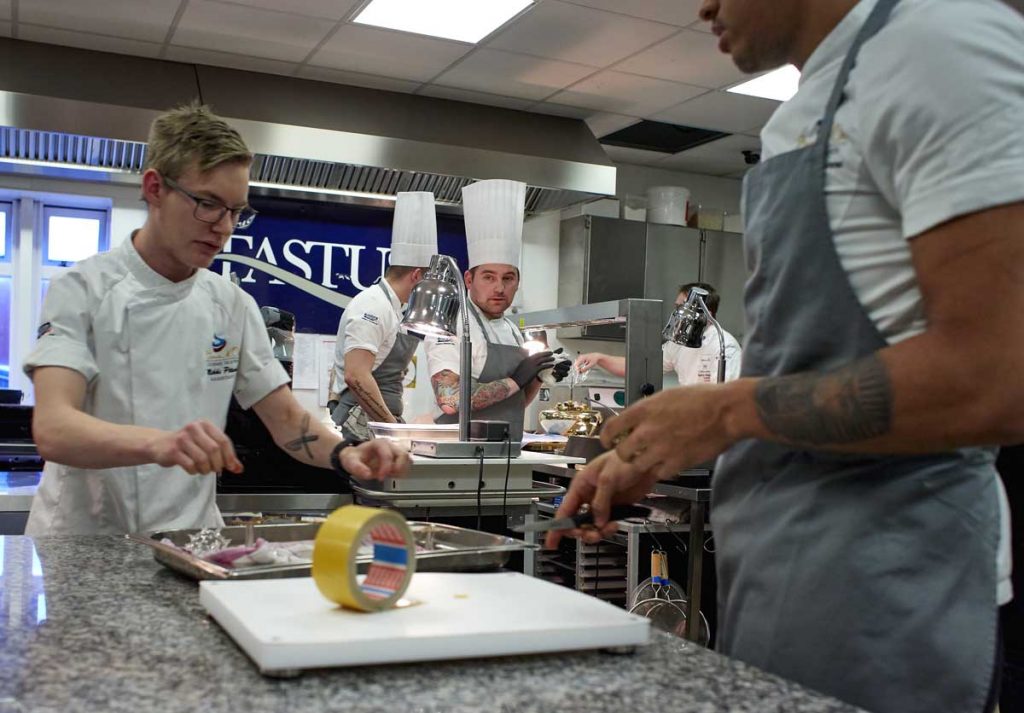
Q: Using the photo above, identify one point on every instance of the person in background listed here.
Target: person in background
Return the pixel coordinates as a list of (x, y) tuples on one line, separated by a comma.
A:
[(372, 353), (141, 348), (505, 377), (692, 366), (861, 530)]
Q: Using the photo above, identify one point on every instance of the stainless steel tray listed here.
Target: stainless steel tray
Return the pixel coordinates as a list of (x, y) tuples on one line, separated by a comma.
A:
[(443, 548)]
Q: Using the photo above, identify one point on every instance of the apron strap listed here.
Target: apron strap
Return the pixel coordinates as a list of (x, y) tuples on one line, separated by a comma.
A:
[(875, 22)]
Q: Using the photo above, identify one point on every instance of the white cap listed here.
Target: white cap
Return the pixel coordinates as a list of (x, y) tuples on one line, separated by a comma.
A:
[(414, 231), (494, 221)]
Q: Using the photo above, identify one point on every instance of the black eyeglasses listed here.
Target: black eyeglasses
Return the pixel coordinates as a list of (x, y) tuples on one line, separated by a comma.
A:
[(211, 211)]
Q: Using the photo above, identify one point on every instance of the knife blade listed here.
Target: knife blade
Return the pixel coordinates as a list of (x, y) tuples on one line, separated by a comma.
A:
[(582, 519)]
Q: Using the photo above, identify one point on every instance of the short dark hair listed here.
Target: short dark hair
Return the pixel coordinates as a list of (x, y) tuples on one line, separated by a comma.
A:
[(712, 299), (397, 272)]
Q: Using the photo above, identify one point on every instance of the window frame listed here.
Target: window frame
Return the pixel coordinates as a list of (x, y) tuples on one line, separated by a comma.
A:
[(7, 208), (49, 210)]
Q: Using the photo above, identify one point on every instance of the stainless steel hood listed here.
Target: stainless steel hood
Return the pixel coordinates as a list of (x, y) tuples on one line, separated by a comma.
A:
[(85, 115)]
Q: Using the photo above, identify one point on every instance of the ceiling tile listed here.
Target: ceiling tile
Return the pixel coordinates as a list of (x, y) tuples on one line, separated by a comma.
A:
[(146, 20), (701, 26), (389, 53), (733, 113), (101, 43), (603, 124), (513, 75), (465, 95), (634, 156), (226, 59), (249, 31), (674, 12), (689, 57), (330, 9), (357, 79), (621, 93), (573, 33)]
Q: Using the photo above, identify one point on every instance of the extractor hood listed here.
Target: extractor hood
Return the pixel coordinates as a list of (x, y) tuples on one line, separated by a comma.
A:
[(82, 114)]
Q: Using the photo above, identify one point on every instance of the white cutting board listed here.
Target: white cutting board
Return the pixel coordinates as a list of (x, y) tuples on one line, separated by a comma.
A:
[(287, 624)]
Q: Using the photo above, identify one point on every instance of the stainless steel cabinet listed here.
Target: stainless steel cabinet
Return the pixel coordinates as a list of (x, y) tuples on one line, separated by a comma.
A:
[(607, 259)]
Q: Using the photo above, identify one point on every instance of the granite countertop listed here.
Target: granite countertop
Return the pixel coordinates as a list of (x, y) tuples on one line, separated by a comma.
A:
[(94, 624)]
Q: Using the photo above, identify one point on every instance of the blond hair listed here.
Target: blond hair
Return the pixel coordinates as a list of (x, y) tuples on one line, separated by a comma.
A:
[(189, 133)]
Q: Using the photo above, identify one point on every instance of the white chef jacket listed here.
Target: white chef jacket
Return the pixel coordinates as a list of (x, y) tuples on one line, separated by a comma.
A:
[(371, 322), (443, 352), (915, 144), (700, 366), (155, 353)]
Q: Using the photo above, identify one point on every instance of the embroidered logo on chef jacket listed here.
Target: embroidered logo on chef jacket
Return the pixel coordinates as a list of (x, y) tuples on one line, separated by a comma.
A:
[(221, 360), (704, 369), (43, 330), (371, 318)]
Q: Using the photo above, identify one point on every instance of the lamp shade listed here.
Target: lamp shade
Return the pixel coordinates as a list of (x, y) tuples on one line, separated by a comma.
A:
[(687, 324), (434, 302)]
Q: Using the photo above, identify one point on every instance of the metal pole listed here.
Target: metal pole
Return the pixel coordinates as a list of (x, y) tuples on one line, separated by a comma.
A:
[(721, 340), (465, 356)]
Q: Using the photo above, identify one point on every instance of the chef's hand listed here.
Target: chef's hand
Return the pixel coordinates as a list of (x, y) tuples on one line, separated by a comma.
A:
[(199, 448), (375, 460), (586, 362), (676, 428), (531, 366), (604, 482)]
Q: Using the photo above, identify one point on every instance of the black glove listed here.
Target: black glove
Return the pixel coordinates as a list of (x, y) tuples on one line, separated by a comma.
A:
[(530, 367), (561, 369)]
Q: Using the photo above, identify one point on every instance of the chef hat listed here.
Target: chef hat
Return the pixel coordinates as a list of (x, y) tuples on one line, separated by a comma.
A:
[(414, 231), (494, 221)]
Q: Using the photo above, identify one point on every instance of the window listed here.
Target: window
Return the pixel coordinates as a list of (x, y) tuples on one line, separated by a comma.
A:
[(41, 236), (72, 234), (5, 232)]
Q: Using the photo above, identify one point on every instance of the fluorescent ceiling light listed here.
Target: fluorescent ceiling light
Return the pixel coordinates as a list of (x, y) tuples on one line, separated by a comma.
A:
[(463, 20), (779, 85)]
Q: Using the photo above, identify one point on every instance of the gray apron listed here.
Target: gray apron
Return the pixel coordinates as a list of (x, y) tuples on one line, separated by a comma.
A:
[(869, 578), (502, 360), (389, 374)]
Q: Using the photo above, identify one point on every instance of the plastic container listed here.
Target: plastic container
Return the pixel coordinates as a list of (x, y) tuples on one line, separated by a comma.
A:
[(668, 204)]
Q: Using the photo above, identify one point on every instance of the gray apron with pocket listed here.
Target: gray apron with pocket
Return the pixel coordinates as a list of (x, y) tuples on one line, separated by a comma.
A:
[(389, 374), (868, 578), (502, 360)]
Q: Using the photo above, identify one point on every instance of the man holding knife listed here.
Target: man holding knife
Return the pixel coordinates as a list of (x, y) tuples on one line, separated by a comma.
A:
[(860, 527)]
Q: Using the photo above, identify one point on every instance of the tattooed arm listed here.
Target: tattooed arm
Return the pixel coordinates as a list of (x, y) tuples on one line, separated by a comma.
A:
[(958, 383), (311, 442), (446, 391), (359, 378)]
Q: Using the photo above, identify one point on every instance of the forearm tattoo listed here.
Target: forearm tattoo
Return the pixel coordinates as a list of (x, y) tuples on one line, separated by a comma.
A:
[(371, 403), (851, 404), (446, 390), (303, 441)]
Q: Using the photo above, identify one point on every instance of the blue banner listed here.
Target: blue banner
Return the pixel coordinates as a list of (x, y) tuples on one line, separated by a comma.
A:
[(311, 259)]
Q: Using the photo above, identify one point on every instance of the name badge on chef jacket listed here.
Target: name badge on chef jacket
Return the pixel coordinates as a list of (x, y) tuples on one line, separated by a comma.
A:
[(704, 369), (221, 359)]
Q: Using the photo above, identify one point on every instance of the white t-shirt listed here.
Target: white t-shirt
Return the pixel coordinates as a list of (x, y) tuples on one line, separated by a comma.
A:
[(700, 366), (371, 322), (931, 129), (443, 352)]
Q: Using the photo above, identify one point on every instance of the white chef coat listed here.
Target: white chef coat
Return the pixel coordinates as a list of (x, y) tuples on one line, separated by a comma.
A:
[(700, 366), (443, 352), (371, 322), (923, 137), (155, 353)]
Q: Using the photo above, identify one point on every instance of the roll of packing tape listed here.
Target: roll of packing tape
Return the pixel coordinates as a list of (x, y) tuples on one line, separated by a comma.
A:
[(337, 545)]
